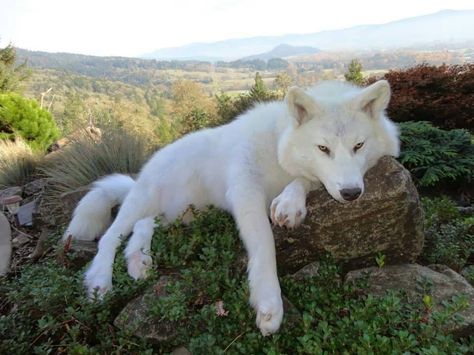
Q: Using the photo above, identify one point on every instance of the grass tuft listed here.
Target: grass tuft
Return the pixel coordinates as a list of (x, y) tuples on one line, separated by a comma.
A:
[(18, 162), (85, 160)]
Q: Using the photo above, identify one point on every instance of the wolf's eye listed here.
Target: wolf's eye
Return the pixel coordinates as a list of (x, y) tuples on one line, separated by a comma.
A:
[(323, 148), (358, 146)]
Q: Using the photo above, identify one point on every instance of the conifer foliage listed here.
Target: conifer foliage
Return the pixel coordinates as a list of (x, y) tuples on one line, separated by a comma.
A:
[(23, 117)]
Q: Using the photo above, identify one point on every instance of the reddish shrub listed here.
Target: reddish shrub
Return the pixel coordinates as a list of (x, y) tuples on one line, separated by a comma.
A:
[(443, 95)]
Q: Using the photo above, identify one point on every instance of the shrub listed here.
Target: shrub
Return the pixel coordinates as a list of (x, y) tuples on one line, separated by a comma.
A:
[(441, 95), (18, 162), (449, 238), (23, 117), (435, 156), (86, 160)]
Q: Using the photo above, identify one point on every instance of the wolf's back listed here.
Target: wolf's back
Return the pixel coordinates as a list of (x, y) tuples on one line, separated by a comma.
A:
[(92, 215)]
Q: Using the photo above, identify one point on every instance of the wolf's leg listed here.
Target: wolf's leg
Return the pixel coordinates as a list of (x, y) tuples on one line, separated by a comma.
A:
[(137, 251), (135, 207), (249, 210), (289, 208)]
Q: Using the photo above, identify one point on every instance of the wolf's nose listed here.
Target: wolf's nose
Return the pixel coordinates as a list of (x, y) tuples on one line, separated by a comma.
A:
[(350, 194)]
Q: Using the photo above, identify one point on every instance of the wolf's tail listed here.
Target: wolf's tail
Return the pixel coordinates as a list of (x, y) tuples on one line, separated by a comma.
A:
[(92, 215)]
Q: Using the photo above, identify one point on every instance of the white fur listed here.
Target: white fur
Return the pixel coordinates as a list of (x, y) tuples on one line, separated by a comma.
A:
[(268, 157), (92, 215)]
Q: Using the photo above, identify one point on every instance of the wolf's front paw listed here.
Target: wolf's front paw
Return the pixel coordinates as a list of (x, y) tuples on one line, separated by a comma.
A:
[(269, 315), (138, 264), (97, 282), (288, 210)]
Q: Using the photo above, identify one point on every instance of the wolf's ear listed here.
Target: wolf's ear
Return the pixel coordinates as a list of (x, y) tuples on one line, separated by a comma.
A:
[(374, 99), (301, 106)]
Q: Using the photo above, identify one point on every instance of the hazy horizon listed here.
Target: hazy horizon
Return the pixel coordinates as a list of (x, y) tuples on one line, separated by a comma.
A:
[(110, 28)]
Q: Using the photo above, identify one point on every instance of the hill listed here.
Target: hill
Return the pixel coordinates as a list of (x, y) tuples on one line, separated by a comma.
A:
[(447, 27), (284, 51)]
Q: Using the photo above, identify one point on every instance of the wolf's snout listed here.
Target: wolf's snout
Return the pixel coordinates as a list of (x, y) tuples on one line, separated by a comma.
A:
[(350, 194)]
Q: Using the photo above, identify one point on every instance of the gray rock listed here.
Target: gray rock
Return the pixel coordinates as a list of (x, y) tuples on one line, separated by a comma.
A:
[(387, 219), (5, 244), (20, 240), (35, 187), (181, 351), (444, 284), (25, 214), (310, 270), (8, 192), (136, 319), (75, 254), (468, 274)]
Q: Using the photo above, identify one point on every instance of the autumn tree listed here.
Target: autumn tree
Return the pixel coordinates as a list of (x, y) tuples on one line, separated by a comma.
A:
[(283, 81), (191, 106)]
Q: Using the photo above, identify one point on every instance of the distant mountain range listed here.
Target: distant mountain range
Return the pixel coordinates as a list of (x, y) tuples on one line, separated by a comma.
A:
[(284, 51), (445, 27)]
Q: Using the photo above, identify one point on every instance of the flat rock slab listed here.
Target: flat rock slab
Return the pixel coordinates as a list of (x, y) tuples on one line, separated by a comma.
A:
[(444, 284), (387, 219), (135, 317)]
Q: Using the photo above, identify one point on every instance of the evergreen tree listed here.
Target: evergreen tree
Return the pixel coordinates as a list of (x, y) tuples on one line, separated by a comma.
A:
[(354, 72), (23, 117), (11, 75), (259, 91)]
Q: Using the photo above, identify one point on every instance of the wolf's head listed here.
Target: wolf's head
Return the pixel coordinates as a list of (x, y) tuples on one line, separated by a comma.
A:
[(335, 132)]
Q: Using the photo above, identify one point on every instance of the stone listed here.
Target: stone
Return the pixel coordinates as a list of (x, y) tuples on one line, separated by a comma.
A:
[(35, 187), (20, 240), (10, 191), (25, 214), (181, 351), (444, 284), (135, 317), (387, 219), (77, 253), (468, 273), (308, 271), (5, 244)]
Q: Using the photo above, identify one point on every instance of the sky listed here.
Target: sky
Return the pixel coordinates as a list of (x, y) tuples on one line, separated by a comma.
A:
[(133, 28)]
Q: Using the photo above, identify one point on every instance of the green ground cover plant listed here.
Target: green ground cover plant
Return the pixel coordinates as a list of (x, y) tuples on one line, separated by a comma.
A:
[(44, 309), (449, 236)]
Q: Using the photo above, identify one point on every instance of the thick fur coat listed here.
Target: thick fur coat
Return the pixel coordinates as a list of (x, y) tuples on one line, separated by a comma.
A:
[(261, 165)]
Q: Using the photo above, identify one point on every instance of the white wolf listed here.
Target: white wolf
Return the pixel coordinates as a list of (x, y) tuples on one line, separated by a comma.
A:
[(263, 163)]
